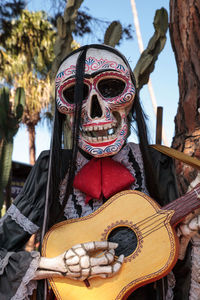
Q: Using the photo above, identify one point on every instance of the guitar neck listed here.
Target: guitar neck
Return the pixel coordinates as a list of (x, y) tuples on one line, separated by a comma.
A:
[(184, 205)]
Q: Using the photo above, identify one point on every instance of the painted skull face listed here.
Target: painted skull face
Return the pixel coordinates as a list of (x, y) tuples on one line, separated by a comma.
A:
[(107, 99)]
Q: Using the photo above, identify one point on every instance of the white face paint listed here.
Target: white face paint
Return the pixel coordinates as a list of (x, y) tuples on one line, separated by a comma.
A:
[(108, 97)]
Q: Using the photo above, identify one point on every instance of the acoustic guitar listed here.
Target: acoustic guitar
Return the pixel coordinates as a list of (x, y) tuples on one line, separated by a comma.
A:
[(144, 232)]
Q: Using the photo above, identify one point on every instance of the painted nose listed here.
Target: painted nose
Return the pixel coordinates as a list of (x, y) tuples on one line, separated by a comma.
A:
[(95, 108)]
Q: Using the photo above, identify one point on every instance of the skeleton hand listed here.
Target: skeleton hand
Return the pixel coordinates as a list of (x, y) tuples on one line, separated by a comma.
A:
[(186, 230), (80, 264)]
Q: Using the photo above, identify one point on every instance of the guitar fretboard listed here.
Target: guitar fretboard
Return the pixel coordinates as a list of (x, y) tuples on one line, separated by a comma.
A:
[(184, 205)]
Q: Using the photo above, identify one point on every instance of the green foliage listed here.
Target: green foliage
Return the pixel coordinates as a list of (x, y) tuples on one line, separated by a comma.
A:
[(26, 56), (113, 34), (65, 27), (9, 9), (10, 117), (161, 21), (29, 46), (5, 167), (10, 114), (19, 102), (146, 62)]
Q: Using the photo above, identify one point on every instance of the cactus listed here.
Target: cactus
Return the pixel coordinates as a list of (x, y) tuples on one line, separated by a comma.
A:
[(146, 62), (65, 27), (113, 34), (10, 118)]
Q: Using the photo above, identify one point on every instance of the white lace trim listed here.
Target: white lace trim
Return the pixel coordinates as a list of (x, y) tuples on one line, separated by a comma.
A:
[(70, 212), (195, 276), (171, 284), (21, 220), (122, 157), (28, 285), (4, 262)]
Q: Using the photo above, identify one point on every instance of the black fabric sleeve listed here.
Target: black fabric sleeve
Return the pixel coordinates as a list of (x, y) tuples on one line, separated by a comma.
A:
[(28, 208), (24, 217), (166, 176), (31, 200), (12, 274), (30, 204)]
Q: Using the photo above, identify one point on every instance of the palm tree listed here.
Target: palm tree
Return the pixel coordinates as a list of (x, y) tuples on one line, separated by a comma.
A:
[(27, 55)]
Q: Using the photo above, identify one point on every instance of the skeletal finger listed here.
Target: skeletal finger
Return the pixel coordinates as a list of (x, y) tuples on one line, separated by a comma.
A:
[(98, 270), (80, 251), (69, 253), (99, 275), (106, 259), (76, 268), (72, 261), (185, 230), (79, 275), (99, 245), (74, 275), (118, 263), (85, 261), (116, 266), (107, 271), (74, 251), (194, 224), (86, 272)]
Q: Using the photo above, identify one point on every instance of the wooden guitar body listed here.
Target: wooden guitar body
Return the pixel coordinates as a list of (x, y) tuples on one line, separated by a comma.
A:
[(150, 238)]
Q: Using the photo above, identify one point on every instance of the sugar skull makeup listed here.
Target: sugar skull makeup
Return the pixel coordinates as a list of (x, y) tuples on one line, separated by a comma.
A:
[(108, 95)]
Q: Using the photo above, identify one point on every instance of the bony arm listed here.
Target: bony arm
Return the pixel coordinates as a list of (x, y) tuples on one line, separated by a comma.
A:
[(186, 230), (79, 262)]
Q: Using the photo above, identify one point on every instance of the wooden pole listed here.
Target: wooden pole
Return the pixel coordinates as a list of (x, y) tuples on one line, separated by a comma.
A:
[(159, 125)]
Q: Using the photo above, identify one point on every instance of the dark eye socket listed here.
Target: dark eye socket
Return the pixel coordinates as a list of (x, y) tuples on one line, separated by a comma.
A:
[(68, 93), (111, 87)]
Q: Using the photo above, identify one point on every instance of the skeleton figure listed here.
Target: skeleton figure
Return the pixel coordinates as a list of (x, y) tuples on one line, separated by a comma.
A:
[(108, 94), (95, 89), (107, 99)]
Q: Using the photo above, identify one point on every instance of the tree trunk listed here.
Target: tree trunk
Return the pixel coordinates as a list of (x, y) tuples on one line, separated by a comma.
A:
[(185, 39), (31, 133), (30, 246)]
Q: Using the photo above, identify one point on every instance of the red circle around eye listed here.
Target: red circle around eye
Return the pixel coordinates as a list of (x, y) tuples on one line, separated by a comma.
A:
[(69, 102), (111, 75)]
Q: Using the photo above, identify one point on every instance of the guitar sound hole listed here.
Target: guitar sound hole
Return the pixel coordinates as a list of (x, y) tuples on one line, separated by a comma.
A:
[(126, 238)]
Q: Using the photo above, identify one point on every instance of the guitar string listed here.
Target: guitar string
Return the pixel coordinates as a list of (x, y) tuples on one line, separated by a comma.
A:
[(150, 231), (184, 198), (155, 220), (158, 214), (181, 207), (178, 210), (152, 216), (155, 228)]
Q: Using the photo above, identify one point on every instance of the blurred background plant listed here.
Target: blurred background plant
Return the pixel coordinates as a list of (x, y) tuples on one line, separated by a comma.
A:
[(10, 117), (26, 57)]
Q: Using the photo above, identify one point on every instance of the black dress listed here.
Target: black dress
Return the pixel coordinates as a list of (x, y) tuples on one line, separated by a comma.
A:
[(25, 217)]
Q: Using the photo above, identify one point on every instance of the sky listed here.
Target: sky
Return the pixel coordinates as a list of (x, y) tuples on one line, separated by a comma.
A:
[(164, 77)]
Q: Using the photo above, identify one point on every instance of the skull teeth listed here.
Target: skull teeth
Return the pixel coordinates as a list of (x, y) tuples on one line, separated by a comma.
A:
[(99, 133), (100, 127), (110, 131)]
